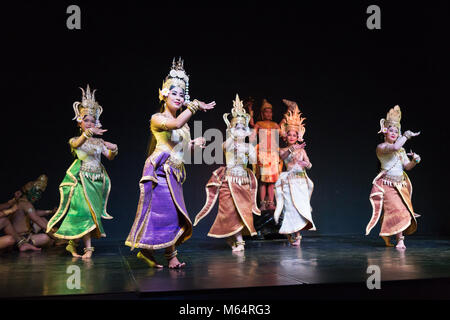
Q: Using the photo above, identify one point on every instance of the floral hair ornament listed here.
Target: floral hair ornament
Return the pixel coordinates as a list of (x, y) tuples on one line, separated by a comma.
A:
[(177, 77), (393, 118), (87, 107)]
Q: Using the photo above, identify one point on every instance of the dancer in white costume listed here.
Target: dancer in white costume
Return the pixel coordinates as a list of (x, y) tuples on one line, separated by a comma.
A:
[(293, 188)]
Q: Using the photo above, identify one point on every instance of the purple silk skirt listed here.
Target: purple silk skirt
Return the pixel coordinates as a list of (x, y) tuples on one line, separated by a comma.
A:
[(161, 218)]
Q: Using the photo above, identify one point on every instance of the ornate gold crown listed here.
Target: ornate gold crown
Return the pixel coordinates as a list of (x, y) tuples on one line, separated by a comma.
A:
[(40, 183), (393, 118), (87, 106), (177, 77), (294, 121), (238, 113)]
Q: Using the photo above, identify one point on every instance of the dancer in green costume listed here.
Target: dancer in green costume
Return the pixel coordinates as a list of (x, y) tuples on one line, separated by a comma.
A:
[(85, 189)]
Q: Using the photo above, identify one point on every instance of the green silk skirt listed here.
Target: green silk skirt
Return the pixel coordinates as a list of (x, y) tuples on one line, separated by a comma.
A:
[(83, 201)]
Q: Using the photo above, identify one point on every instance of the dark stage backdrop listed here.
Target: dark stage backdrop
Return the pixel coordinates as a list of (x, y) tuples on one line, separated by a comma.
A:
[(344, 77)]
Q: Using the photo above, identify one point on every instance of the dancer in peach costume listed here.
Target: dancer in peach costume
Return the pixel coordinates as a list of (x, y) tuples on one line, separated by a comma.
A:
[(391, 192)]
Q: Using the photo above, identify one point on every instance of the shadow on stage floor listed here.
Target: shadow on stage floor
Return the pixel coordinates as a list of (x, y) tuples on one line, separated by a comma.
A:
[(324, 267)]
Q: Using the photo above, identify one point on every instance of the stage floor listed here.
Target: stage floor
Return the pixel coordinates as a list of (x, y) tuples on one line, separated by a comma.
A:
[(267, 269)]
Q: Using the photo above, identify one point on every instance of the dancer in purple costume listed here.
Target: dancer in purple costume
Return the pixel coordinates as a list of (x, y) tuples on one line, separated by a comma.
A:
[(161, 219)]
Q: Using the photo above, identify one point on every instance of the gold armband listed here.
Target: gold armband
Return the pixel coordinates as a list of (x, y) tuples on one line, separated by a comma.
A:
[(114, 152), (163, 124), (11, 210)]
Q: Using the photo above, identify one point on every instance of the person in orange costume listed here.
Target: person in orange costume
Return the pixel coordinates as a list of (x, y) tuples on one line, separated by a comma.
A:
[(268, 166)]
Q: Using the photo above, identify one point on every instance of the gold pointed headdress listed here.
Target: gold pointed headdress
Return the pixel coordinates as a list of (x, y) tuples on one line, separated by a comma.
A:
[(177, 77), (265, 105), (238, 113), (294, 120), (40, 184), (393, 118), (87, 106)]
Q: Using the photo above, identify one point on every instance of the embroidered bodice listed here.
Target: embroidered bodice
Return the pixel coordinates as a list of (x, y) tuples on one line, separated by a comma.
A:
[(236, 157), (393, 162), (292, 160), (172, 141), (90, 153)]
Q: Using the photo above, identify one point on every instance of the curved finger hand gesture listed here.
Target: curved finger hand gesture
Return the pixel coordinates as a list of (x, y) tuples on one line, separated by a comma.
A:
[(199, 142), (206, 106), (411, 134), (98, 131), (299, 146), (412, 154)]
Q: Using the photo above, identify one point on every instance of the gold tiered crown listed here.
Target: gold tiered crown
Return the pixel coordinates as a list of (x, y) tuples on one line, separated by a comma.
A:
[(393, 118), (87, 106), (177, 77), (238, 113)]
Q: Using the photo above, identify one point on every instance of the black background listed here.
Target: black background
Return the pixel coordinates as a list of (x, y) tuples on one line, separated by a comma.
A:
[(344, 76)]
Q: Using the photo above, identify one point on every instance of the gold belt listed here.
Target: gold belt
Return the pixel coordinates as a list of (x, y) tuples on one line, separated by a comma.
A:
[(239, 178), (396, 181), (297, 174), (293, 175), (91, 168)]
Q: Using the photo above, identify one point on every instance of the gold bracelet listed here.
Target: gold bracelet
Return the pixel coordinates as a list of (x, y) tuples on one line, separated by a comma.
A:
[(88, 133), (193, 106), (163, 124), (191, 109)]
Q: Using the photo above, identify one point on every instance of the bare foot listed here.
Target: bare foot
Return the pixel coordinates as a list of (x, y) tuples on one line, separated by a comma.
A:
[(400, 245), (28, 247), (263, 206), (174, 263), (238, 248), (231, 243), (72, 248), (271, 206), (87, 255)]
